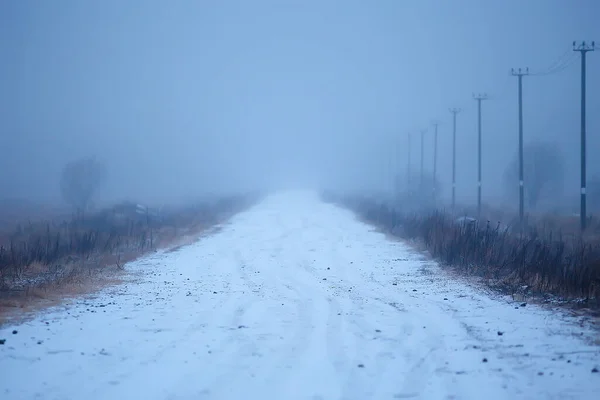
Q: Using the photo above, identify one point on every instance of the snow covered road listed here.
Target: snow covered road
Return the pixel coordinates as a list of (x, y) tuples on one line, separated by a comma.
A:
[(296, 299)]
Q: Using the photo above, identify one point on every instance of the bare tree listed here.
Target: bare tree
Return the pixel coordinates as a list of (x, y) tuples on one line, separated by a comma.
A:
[(543, 170), (79, 182)]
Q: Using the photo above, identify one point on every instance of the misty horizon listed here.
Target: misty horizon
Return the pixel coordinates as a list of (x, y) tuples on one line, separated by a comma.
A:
[(189, 99)]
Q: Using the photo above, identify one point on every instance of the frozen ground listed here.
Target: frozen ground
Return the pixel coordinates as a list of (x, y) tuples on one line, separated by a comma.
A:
[(295, 299)]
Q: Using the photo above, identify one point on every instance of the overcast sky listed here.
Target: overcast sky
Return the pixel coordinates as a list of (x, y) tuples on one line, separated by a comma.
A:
[(182, 98)]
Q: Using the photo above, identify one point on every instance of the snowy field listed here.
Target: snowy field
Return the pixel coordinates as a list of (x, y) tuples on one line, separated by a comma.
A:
[(296, 299)]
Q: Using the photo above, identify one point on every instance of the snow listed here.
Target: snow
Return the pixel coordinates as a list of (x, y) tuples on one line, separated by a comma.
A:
[(296, 299)]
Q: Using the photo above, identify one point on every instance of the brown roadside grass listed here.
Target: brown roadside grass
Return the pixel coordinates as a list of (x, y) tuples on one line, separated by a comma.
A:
[(550, 261), (48, 264)]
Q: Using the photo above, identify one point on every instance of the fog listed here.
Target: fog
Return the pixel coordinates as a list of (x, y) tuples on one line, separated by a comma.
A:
[(187, 98)]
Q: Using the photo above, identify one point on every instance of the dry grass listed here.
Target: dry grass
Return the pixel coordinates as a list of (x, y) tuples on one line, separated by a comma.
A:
[(543, 262), (49, 263), (20, 306)]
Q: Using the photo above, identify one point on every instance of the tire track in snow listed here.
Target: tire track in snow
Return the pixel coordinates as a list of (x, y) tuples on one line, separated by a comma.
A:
[(302, 336), (219, 306), (354, 380), (385, 363), (270, 365)]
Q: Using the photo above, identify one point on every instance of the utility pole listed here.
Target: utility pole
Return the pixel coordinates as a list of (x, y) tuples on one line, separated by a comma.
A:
[(454, 111), (408, 172), (479, 98), (583, 48), (519, 73), (435, 140), (422, 152), (391, 169)]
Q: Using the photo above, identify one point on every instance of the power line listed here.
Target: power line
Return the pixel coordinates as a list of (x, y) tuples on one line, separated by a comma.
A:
[(504, 88), (558, 68), (562, 59)]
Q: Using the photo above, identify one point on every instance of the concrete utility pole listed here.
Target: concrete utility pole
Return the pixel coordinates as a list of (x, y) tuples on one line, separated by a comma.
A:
[(454, 111), (519, 74), (583, 48), (435, 140), (422, 152), (397, 188), (408, 172), (479, 98), (391, 168)]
